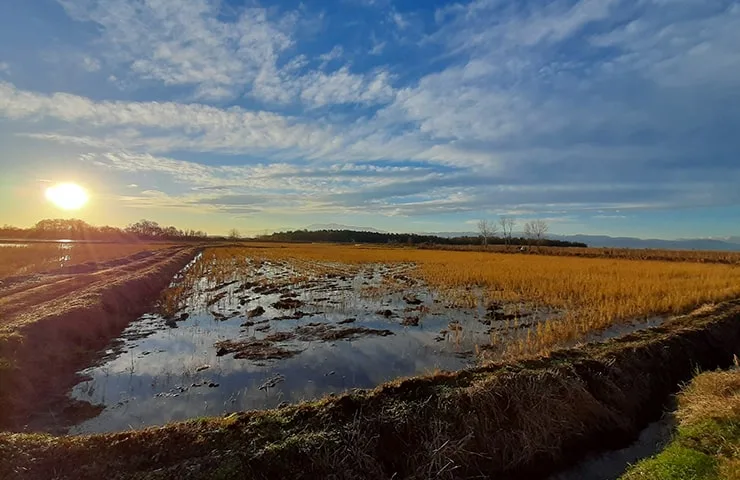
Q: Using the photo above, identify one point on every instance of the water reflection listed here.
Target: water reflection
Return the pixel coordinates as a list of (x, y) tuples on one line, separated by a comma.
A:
[(162, 370), (159, 370), (166, 376)]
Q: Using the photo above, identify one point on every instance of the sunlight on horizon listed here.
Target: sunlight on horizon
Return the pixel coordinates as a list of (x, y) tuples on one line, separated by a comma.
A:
[(67, 196)]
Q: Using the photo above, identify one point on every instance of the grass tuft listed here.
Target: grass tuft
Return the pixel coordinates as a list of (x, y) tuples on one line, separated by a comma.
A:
[(707, 443)]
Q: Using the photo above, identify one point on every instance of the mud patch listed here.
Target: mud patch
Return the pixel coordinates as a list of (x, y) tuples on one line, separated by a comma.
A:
[(256, 312), (254, 350), (328, 332), (287, 304)]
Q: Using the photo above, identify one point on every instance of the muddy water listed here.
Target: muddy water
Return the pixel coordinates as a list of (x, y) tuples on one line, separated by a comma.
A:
[(611, 465), (162, 370)]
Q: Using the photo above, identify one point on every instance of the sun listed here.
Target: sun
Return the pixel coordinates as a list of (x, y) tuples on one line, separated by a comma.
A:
[(67, 196)]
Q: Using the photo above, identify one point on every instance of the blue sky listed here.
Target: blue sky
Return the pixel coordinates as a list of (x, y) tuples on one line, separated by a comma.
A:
[(619, 117)]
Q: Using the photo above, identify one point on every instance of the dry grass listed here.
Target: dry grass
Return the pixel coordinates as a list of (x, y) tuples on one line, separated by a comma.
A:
[(22, 259), (707, 443), (699, 256), (518, 420), (591, 293), (711, 395)]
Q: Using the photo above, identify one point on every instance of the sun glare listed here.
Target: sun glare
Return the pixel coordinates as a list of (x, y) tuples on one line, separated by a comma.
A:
[(67, 196)]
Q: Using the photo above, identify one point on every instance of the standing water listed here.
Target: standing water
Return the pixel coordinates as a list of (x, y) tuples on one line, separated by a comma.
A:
[(282, 334)]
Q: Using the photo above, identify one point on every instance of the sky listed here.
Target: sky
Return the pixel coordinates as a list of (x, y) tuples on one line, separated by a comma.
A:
[(618, 117)]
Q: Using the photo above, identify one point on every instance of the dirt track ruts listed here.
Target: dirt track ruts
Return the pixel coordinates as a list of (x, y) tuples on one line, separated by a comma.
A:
[(52, 324)]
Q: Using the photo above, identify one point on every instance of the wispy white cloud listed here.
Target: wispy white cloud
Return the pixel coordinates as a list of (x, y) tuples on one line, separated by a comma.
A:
[(197, 124), (518, 106), (334, 54), (399, 20), (90, 64), (192, 44)]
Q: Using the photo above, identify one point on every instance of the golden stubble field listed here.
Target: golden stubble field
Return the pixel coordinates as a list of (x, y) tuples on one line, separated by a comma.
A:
[(590, 294)]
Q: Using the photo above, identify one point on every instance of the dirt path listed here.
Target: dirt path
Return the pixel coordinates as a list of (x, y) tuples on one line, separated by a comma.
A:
[(52, 324), (21, 298)]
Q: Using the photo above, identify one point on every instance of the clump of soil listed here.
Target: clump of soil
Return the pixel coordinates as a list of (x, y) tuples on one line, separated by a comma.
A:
[(255, 312), (221, 317), (295, 316), (272, 382), (253, 350), (171, 321), (267, 289), (410, 321), (280, 337), (250, 323), (215, 299), (404, 279), (246, 286), (287, 304), (412, 300), (221, 285), (328, 332), (495, 312)]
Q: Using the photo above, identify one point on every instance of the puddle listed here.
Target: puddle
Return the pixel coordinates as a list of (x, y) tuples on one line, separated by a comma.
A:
[(284, 333)]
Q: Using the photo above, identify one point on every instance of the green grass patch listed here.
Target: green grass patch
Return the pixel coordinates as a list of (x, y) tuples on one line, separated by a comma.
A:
[(707, 442), (713, 437), (675, 463)]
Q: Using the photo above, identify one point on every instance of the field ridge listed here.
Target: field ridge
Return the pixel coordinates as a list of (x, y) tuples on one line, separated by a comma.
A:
[(506, 420), (52, 325)]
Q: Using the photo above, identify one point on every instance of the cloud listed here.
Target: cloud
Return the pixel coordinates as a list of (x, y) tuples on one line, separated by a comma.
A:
[(334, 54), (399, 20), (320, 89), (558, 106), (90, 64), (198, 126), (378, 47), (222, 53), (678, 54)]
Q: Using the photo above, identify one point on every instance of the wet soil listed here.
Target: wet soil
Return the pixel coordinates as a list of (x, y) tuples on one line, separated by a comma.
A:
[(54, 323), (255, 349), (365, 324), (526, 419)]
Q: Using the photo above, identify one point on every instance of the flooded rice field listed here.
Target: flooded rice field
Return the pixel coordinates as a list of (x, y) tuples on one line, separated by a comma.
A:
[(277, 332)]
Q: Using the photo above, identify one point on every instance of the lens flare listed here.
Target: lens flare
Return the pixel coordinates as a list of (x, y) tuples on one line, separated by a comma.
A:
[(67, 196)]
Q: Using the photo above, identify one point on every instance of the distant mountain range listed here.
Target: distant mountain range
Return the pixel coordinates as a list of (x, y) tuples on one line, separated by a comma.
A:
[(631, 242), (731, 243), (336, 226)]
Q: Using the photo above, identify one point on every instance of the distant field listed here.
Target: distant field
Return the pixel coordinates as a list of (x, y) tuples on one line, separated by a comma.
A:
[(22, 259), (699, 256), (588, 294)]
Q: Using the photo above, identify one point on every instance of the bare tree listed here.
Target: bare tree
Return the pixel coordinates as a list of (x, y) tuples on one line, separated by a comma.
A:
[(487, 229), (234, 234), (507, 228), (535, 230)]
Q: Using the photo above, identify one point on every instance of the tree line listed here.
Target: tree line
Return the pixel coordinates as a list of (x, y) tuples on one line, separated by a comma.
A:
[(535, 231), (351, 236), (74, 229)]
